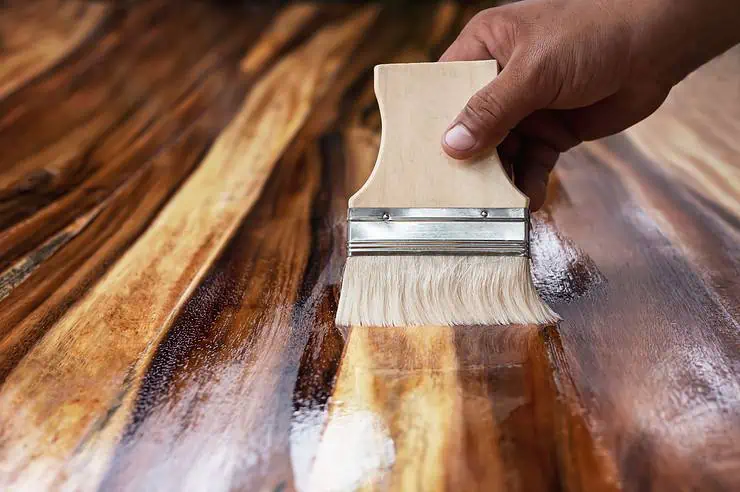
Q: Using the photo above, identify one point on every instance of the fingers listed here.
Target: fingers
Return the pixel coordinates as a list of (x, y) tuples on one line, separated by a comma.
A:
[(529, 161), (488, 35), (511, 146), (538, 140), (548, 127), (535, 163), (466, 48), (493, 111)]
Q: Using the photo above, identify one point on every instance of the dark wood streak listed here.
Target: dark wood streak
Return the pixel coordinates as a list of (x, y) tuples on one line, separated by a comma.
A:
[(19, 271), (242, 381), (39, 300), (582, 462), (319, 293)]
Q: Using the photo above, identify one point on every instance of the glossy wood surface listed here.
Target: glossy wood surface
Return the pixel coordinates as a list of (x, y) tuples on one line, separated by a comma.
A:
[(174, 181)]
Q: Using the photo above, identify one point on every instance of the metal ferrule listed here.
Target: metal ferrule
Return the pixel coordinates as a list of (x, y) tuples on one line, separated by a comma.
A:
[(438, 231)]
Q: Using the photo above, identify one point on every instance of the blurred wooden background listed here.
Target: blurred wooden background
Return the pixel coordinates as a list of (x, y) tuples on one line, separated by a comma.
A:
[(173, 185)]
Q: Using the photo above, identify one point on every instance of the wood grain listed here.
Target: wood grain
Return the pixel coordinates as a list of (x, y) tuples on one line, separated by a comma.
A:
[(173, 186), (35, 36), (159, 273)]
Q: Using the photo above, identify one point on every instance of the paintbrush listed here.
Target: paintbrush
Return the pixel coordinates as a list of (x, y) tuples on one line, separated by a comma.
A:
[(432, 240)]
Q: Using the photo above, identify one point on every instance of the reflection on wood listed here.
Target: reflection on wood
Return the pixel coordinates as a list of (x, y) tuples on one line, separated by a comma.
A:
[(408, 413), (446, 408), (656, 344), (173, 189)]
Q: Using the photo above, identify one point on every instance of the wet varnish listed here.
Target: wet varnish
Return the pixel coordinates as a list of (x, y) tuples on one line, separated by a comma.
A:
[(172, 197)]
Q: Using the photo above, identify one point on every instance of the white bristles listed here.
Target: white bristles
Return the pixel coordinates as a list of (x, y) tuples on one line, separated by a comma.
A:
[(440, 290)]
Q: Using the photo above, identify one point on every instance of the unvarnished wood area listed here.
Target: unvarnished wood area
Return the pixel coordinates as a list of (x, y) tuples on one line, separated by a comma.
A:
[(174, 179)]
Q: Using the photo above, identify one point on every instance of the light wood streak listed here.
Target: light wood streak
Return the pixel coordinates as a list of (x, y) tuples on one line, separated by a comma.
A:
[(243, 355), (289, 20)]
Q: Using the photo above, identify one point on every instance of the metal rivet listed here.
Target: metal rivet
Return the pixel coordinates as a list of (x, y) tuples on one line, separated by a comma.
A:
[(483, 214), (386, 216)]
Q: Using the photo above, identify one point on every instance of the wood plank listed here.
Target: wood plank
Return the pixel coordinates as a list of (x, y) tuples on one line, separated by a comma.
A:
[(455, 408), (227, 402), (170, 256), (116, 343), (649, 349)]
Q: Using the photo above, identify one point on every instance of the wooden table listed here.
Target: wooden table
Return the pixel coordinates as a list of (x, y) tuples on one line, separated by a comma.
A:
[(174, 181)]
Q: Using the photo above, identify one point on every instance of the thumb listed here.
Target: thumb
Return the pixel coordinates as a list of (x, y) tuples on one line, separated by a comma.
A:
[(493, 111)]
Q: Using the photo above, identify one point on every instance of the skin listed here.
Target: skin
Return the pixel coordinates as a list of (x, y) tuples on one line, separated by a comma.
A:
[(578, 70)]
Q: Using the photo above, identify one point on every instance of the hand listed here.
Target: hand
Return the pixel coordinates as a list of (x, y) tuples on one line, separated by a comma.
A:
[(573, 70)]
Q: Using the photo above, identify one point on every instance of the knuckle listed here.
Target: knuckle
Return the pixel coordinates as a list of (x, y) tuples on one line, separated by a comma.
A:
[(496, 27), (476, 25), (479, 19), (504, 28), (484, 108)]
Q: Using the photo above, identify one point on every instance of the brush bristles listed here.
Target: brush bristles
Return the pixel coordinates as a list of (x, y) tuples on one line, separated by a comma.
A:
[(440, 290)]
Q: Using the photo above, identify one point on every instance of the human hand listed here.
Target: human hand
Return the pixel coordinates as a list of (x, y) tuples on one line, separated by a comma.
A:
[(573, 70)]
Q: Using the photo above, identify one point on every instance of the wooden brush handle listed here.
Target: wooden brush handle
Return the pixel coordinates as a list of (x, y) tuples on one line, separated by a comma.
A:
[(417, 103)]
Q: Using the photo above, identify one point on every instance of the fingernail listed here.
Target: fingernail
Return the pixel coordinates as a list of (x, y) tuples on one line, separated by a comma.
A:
[(459, 138)]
